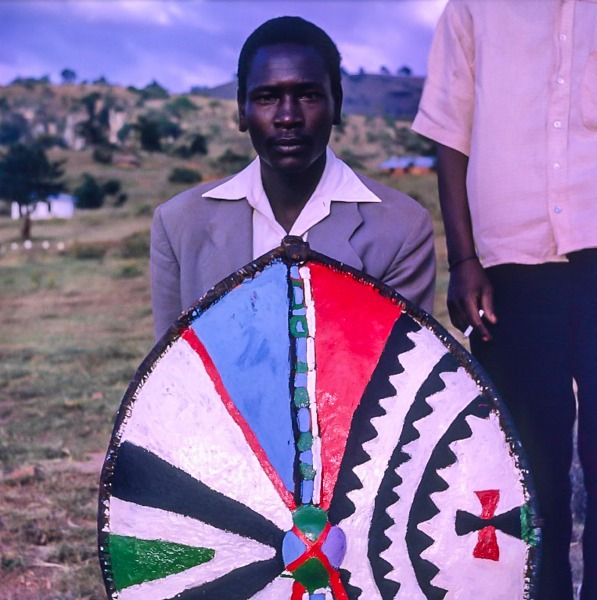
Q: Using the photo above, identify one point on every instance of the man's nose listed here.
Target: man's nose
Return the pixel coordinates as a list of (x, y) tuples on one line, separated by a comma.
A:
[(289, 113)]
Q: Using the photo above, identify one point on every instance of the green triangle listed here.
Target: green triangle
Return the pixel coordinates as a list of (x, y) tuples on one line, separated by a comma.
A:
[(135, 561)]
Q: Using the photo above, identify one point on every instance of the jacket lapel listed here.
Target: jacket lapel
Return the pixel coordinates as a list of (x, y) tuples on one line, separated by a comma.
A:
[(230, 232), (332, 236)]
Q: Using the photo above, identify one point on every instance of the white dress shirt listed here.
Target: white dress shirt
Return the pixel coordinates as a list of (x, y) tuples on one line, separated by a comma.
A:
[(338, 183)]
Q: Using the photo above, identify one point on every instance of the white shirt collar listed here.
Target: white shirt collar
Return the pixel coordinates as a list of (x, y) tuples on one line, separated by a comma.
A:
[(338, 183)]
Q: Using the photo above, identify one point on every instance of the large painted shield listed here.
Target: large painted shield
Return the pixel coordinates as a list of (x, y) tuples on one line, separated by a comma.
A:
[(303, 432)]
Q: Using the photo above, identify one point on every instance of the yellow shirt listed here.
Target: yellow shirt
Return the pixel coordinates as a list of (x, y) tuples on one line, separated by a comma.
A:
[(513, 85)]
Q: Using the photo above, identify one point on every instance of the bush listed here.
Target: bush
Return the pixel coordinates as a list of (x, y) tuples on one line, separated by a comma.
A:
[(111, 187), (88, 251), (103, 154), (128, 272), (135, 245), (231, 161), (184, 175), (89, 194)]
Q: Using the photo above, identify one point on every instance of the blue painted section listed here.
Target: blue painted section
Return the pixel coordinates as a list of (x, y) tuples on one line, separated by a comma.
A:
[(301, 349), (300, 380), (304, 419), (317, 597), (292, 548), (298, 294), (334, 546), (306, 457), (246, 335), (307, 491)]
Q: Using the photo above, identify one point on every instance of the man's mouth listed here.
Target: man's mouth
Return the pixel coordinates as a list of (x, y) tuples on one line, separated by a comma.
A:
[(289, 145)]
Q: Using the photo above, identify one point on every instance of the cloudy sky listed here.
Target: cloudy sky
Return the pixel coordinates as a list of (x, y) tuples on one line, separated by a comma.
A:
[(184, 43)]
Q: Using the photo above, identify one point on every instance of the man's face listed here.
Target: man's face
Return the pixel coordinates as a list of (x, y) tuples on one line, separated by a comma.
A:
[(289, 109)]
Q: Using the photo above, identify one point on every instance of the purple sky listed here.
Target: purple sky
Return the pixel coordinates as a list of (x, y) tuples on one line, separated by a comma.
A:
[(183, 43)]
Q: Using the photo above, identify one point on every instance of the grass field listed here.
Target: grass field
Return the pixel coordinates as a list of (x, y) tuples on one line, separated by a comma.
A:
[(76, 323)]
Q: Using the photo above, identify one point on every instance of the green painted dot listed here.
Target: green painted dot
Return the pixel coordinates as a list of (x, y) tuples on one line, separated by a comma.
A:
[(298, 326), (301, 367), (312, 575), (307, 471), (135, 561), (311, 520), (301, 397), (305, 441)]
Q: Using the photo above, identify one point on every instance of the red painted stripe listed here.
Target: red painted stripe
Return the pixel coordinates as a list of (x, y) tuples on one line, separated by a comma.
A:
[(298, 591), (487, 545), (191, 338), (352, 324), (312, 547), (489, 500)]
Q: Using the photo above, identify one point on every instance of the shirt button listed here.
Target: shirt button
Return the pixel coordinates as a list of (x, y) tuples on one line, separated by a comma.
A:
[(557, 124), (556, 165), (557, 209), (563, 37), (560, 80)]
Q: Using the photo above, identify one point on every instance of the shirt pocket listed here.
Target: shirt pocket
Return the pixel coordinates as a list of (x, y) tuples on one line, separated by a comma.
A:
[(588, 104)]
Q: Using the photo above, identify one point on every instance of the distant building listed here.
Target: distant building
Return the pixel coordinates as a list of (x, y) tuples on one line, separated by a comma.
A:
[(412, 165), (61, 206)]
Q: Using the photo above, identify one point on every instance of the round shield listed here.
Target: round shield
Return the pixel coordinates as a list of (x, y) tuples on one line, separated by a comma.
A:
[(303, 432)]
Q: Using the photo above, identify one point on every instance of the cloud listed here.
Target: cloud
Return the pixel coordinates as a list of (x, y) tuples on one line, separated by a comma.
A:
[(196, 42)]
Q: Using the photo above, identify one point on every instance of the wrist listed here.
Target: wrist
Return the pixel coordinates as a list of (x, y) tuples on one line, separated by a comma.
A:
[(456, 263)]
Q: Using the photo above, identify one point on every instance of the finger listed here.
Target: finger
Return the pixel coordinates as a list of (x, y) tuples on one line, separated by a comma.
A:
[(475, 315), (487, 304)]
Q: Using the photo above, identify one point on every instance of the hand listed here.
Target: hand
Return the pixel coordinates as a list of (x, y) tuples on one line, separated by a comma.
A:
[(468, 292)]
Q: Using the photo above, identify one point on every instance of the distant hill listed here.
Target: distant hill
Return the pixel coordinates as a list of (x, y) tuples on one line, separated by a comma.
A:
[(395, 96)]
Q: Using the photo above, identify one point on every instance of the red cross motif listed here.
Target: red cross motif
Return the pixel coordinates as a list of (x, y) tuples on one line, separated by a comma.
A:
[(487, 546), (314, 551)]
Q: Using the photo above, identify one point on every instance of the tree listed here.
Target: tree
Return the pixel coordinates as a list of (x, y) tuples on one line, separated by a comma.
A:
[(28, 177), (405, 71), (68, 76), (95, 128)]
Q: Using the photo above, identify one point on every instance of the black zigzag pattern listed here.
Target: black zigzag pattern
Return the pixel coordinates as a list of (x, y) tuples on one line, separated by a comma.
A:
[(378, 541), (431, 482), (362, 430)]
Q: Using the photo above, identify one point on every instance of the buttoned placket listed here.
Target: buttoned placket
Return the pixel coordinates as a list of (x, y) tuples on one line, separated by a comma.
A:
[(558, 125)]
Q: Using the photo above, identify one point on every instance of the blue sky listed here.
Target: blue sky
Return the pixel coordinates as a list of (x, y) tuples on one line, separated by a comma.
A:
[(184, 43)]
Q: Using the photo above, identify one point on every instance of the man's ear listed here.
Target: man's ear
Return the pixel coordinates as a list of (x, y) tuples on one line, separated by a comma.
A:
[(242, 115)]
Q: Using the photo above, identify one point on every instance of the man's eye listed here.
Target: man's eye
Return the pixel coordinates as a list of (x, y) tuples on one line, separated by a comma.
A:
[(310, 96), (265, 99)]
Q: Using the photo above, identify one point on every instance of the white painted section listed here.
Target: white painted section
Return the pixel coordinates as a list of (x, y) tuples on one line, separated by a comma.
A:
[(231, 551), (305, 274), (484, 462), (180, 417), (446, 404), (278, 588), (417, 363)]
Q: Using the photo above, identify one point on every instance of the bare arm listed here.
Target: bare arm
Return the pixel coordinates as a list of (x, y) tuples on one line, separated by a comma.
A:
[(469, 289)]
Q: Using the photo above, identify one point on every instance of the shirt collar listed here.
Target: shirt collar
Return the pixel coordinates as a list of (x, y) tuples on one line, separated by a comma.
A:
[(338, 183)]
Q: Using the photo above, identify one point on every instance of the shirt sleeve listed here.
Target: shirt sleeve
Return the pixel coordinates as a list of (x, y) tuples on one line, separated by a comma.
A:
[(446, 108), (165, 278)]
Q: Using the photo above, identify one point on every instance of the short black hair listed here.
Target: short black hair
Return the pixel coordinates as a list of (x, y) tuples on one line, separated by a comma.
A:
[(291, 30)]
